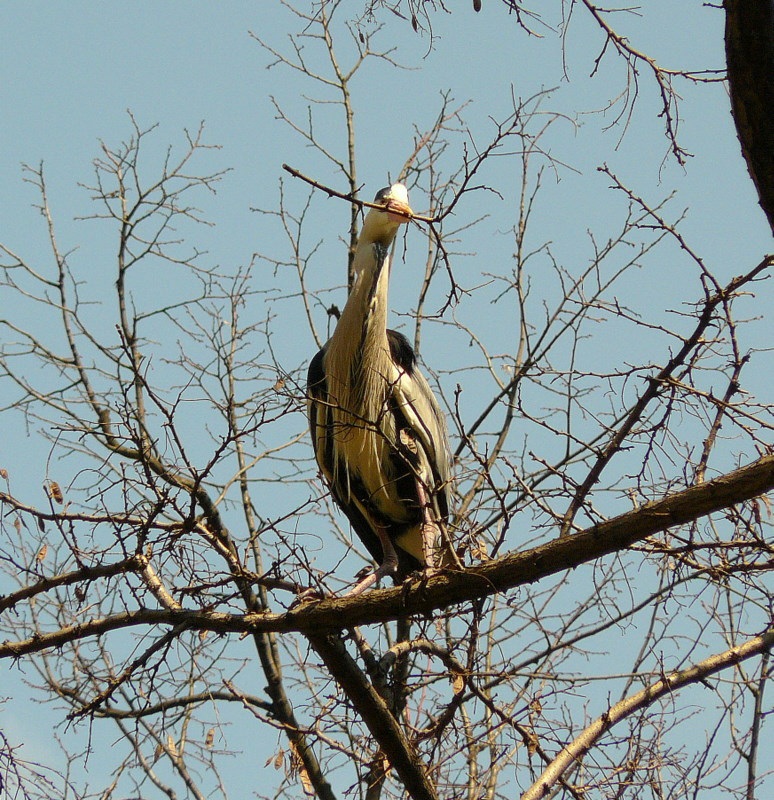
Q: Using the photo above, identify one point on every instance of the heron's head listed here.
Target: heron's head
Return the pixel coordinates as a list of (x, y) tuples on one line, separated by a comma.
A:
[(381, 224)]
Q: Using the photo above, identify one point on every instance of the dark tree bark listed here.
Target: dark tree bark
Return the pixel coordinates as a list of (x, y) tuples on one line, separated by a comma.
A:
[(750, 60)]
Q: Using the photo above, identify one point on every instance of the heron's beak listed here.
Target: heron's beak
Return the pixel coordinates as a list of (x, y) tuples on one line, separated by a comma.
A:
[(398, 212)]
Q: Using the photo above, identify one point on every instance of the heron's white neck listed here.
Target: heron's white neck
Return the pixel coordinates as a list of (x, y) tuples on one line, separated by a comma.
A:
[(365, 313), (358, 366)]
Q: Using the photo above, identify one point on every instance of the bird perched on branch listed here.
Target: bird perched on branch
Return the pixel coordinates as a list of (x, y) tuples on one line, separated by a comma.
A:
[(378, 434)]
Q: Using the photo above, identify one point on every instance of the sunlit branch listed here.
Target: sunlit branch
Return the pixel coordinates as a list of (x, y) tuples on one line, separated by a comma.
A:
[(671, 682)]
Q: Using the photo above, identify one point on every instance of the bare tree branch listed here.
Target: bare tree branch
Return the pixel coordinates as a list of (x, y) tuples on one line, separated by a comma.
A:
[(669, 684)]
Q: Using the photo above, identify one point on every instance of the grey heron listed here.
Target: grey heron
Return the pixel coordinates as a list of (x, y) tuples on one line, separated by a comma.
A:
[(378, 433)]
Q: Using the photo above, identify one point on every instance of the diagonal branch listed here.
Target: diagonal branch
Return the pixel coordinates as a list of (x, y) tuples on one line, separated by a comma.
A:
[(655, 386), (572, 754), (446, 589), (383, 726)]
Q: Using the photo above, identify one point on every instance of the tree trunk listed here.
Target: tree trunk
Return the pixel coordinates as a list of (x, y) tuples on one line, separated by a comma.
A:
[(750, 60)]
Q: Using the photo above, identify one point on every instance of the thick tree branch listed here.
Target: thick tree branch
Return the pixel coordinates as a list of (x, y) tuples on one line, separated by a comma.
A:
[(426, 596), (384, 727)]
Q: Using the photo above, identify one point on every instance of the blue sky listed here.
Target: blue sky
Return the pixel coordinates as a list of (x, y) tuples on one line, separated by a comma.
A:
[(69, 72)]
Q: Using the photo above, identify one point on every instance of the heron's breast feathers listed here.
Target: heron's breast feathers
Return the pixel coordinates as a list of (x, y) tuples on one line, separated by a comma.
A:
[(382, 427), (363, 430)]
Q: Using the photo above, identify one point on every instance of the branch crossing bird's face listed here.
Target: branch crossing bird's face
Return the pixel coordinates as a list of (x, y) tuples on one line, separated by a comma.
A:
[(395, 201)]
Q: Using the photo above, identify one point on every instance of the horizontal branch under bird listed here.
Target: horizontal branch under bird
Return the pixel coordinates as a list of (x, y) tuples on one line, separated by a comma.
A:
[(426, 595)]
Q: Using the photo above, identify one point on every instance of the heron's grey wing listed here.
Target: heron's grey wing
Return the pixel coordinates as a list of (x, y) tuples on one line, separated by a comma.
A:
[(319, 419), (347, 489), (418, 407), (422, 413)]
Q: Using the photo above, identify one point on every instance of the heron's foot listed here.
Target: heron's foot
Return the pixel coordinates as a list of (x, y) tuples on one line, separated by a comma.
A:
[(431, 540)]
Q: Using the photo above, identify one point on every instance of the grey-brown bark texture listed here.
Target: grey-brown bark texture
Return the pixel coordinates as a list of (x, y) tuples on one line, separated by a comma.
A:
[(750, 62)]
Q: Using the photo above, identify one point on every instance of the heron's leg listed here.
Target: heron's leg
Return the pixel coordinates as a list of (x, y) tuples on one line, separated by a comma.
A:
[(431, 532), (389, 565)]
